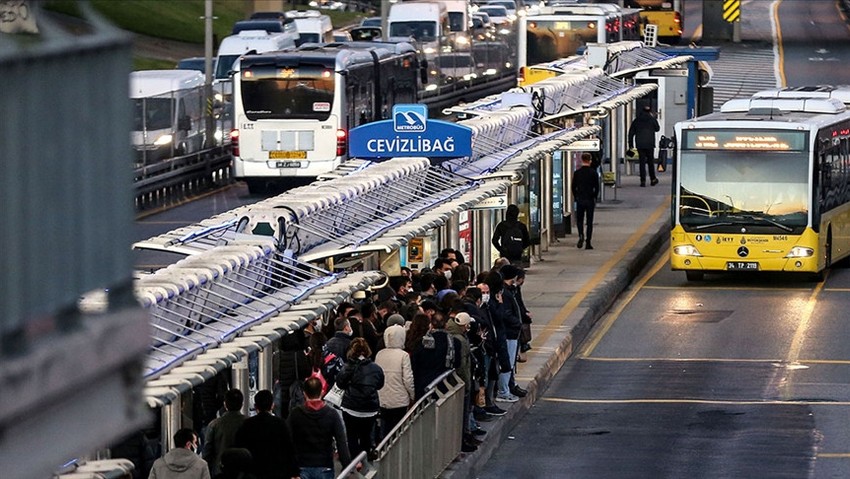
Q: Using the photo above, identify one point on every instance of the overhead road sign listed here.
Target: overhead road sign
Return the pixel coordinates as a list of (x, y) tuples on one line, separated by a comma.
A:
[(410, 133)]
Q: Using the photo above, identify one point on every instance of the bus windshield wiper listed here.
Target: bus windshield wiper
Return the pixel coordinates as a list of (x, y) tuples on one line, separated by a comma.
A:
[(753, 217), (712, 225)]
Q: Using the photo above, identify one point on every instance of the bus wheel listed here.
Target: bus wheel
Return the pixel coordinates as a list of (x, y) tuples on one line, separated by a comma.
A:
[(694, 275)]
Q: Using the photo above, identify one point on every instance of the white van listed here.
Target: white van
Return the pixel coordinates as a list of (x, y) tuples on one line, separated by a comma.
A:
[(426, 21), (260, 41), (168, 109), (312, 26)]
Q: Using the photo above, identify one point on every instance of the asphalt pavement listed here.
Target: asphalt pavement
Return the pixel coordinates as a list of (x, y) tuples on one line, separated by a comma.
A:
[(568, 289)]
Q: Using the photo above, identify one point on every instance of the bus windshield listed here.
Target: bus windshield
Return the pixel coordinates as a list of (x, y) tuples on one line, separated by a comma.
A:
[(760, 188), (423, 31), (549, 40), (304, 92), (152, 114)]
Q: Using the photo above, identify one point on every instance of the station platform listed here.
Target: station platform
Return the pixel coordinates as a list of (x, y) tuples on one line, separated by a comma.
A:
[(569, 289)]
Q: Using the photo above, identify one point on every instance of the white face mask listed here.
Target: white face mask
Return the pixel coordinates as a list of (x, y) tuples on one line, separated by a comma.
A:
[(485, 297), (448, 274)]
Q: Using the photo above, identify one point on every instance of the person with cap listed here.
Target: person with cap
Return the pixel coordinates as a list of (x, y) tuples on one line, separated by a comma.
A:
[(397, 394), (458, 327), (642, 135)]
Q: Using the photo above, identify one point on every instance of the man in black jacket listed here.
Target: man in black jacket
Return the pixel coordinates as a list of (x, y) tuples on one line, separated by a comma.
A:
[(585, 188), (642, 135), (268, 438), (315, 426), (510, 237)]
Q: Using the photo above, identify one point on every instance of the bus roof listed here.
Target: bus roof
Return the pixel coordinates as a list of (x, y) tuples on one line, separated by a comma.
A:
[(331, 55), (149, 83)]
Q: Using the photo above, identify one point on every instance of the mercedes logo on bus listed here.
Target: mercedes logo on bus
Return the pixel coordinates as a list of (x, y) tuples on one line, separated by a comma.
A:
[(743, 252)]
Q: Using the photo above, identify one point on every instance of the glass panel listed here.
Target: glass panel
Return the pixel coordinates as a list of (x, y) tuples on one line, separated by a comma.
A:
[(303, 92)]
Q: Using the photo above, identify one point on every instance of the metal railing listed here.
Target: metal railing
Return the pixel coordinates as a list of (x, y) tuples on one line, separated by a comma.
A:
[(436, 419)]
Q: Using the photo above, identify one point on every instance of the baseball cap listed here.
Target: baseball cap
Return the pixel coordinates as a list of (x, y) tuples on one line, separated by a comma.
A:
[(463, 319)]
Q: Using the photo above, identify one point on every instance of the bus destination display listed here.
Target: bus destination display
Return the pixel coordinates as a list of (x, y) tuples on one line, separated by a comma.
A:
[(745, 140)]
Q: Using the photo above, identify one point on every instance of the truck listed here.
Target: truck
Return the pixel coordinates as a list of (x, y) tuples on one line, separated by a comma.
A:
[(168, 114)]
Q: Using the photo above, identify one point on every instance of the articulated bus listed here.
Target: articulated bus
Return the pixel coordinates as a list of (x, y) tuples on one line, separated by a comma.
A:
[(558, 31), (665, 14), (764, 185), (293, 109)]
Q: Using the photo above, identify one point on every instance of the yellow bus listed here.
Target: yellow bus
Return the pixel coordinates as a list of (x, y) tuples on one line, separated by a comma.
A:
[(764, 185), (665, 14)]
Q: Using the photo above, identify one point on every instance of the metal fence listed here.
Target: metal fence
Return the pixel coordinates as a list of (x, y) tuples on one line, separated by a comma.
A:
[(435, 421)]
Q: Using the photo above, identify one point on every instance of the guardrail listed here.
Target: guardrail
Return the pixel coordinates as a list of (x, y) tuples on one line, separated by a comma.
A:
[(435, 419), (173, 179)]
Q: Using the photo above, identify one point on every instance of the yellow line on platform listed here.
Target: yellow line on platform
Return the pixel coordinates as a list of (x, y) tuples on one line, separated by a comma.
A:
[(693, 401), (584, 291), (833, 455)]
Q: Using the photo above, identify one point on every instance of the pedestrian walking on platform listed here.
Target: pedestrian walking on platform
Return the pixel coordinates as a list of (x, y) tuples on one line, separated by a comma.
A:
[(268, 439), (182, 462), (316, 426), (585, 189), (221, 433), (642, 136), (511, 236)]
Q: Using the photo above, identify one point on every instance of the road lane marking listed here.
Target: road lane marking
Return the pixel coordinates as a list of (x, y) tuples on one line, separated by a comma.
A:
[(777, 44), (608, 320), (574, 302), (778, 362), (729, 402)]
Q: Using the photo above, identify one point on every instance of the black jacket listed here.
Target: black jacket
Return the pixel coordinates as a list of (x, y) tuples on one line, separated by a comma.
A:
[(585, 185), (270, 443), (339, 343), (316, 431), (361, 379), (429, 361), (642, 131)]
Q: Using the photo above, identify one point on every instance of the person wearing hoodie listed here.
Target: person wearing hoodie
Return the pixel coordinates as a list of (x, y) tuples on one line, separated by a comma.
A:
[(315, 426), (511, 236), (642, 136), (397, 394), (182, 462), (360, 379)]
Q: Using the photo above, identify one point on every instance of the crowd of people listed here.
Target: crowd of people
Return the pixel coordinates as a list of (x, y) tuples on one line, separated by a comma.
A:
[(344, 383)]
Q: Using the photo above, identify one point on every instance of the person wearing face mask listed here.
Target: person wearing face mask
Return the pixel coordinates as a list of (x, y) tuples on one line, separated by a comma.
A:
[(341, 339), (181, 462)]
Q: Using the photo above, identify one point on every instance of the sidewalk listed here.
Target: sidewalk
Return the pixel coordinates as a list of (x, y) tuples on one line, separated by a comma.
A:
[(572, 288)]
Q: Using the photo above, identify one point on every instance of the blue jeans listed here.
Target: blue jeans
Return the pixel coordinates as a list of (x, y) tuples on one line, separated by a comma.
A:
[(317, 473), (505, 378)]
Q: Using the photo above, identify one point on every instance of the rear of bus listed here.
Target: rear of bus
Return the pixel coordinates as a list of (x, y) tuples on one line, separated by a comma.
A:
[(550, 37), (288, 121)]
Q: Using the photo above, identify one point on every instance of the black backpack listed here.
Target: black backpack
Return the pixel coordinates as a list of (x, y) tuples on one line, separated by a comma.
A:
[(511, 239)]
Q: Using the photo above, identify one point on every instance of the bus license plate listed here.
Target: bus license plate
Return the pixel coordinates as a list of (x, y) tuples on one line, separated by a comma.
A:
[(287, 155), (742, 266), (288, 164)]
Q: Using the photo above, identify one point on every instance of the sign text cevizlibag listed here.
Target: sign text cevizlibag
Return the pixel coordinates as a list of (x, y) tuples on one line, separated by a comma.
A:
[(410, 133)]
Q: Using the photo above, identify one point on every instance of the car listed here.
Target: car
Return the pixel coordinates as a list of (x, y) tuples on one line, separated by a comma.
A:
[(194, 63), (509, 5), (281, 16), (457, 66), (341, 36), (371, 22), (365, 34), (497, 13)]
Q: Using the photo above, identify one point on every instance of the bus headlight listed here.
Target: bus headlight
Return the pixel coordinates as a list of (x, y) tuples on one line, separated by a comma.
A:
[(163, 140), (800, 252), (686, 250)]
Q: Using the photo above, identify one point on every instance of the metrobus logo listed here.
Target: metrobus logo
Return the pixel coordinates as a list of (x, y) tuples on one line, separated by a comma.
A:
[(409, 118)]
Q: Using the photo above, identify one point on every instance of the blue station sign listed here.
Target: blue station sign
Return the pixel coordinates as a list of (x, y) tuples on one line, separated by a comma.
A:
[(410, 133)]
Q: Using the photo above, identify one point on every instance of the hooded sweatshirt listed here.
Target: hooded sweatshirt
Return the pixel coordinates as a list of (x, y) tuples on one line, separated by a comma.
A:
[(398, 373), (180, 463)]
